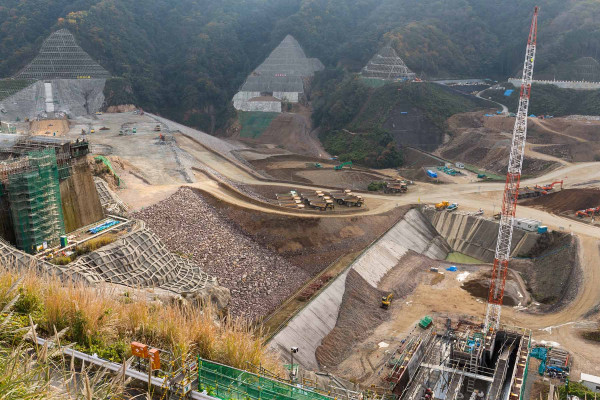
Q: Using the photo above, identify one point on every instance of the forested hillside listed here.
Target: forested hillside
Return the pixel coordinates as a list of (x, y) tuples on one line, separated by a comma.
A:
[(369, 125), (186, 58)]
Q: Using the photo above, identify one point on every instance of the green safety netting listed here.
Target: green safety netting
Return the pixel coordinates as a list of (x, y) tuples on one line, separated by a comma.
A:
[(35, 203), (230, 383)]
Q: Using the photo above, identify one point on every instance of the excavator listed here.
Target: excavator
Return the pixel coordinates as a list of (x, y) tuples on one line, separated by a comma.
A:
[(386, 301), (549, 187), (588, 212), (342, 165)]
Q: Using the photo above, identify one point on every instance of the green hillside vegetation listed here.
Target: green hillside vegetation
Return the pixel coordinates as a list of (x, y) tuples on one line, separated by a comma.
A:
[(187, 58), (255, 123), (351, 114), (118, 91), (551, 100)]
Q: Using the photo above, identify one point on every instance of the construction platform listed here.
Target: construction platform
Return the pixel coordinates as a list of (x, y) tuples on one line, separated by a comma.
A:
[(458, 361)]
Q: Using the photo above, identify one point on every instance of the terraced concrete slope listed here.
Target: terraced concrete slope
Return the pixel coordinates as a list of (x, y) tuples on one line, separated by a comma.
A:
[(477, 237), (308, 328)]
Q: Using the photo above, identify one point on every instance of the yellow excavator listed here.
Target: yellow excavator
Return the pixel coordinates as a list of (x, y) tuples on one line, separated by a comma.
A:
[(386, 301)]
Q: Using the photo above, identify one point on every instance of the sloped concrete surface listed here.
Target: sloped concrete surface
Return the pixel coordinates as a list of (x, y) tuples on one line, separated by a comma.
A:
[(308, 328)]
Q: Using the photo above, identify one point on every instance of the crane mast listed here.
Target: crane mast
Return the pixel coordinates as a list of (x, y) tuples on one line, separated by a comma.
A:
[(511, 189)]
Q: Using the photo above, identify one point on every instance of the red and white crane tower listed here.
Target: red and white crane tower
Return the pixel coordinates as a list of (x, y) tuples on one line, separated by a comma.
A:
[(511, 189)]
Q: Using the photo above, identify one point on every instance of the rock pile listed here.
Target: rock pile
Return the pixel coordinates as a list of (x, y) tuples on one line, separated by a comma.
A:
[(259, 279)]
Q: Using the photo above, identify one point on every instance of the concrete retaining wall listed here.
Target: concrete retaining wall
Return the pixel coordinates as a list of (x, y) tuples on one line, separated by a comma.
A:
[(476, 237), (262, 106), (578, 85), (308, 328), (80, 201)]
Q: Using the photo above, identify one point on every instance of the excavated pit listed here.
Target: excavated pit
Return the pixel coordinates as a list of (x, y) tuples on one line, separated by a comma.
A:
[(345, 315)]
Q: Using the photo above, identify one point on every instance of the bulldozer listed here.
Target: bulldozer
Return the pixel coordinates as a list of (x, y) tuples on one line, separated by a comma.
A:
[(386, 301), (442, 206)]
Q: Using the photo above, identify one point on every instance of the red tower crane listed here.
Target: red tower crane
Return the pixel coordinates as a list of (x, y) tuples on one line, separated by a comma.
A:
[(511, 189)]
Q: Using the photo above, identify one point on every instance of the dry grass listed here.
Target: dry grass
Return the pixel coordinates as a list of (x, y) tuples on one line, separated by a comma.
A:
[(106, 320)]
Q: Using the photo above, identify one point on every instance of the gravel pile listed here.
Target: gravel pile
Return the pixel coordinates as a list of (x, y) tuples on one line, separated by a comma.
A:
[(259, 279)]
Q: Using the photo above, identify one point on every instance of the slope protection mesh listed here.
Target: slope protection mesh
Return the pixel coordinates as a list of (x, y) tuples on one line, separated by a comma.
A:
[(283, 70), (61, 58), (386, 64)]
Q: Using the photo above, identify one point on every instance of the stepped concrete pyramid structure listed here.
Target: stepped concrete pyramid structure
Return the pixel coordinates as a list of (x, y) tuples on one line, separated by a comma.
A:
[(386, 64), (61, 58), (280, 78)]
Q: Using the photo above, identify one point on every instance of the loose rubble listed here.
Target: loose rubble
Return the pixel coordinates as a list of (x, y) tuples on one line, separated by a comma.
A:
[(259, 279)]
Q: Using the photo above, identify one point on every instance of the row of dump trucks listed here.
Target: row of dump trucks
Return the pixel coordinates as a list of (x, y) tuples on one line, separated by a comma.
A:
[(319, 200)]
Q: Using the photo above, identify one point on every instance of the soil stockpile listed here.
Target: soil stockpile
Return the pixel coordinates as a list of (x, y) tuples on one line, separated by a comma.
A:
[(258, 278), (567, 200), (361, 312), (552, 274), (359, 315)]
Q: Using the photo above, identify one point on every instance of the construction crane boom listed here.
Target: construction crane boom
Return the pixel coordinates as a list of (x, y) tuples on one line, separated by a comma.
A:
[(511, 189)]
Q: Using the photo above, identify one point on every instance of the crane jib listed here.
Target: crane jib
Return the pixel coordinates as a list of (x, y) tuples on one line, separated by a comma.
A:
[(511, 189)]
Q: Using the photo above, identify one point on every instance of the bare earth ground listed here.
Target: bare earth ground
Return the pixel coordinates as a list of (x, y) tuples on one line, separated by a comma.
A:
[(292, 131), (160, 178), (484, 142)]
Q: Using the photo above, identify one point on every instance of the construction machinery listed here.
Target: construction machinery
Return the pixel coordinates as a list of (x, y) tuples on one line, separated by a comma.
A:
[(157, 128), (550, 186), (386, 301), (342, 165), (452, 207), (290, 200), (588, 212), (397, 186), (511, 189), (442, 206), (318, 165), (346, 198), (318, 201)]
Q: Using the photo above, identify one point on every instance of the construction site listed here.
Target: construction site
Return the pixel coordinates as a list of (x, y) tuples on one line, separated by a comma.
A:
[(422, 288)]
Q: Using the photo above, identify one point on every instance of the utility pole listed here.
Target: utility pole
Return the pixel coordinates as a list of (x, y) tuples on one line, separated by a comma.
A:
[(293, 350)]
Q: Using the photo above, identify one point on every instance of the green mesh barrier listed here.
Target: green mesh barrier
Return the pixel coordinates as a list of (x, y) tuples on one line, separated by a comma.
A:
[(230, 383), (35, 202)]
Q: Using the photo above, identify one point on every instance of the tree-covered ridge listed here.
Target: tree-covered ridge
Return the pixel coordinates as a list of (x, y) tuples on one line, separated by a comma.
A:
[(352, 115), (186, 58)]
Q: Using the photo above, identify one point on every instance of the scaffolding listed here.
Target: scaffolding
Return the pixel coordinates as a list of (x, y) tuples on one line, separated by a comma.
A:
[(35, 203), (387, 65), (457, 364)]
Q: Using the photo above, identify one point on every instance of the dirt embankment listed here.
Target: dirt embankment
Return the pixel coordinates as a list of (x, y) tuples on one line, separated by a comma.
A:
[(262, 258), (552, 271), (485, 142), (49, 127), (361, 313), (309, 243), (567, 200), (302, 169)]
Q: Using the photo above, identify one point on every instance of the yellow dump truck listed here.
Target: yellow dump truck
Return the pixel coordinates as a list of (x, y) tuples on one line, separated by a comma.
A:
[(442, 206)]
